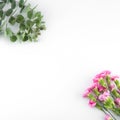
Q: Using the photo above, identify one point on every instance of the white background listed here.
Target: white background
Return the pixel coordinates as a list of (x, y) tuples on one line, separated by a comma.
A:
[(45, 80)]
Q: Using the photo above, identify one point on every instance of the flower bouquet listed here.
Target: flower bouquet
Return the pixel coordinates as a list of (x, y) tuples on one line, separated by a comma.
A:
[(104, 94)]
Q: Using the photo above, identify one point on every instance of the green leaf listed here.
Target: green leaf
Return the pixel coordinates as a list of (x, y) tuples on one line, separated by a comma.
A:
[(9, 32), (30, 38), (27, 8), (25, 38), (29, 23), (11, 1), (21, 3), (13, 5), (22, 26), (13, 38), (37, 22), (30, 14), (12, 20), (22, 8), (4, 1), (38, 14), (8, 12), (42, 27), (3, 16), (2, 4), (31, 30), (1, 13), (20, 19)]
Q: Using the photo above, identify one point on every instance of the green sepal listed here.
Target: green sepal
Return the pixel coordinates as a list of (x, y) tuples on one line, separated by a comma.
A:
[(91, 97), (108, 80), (115, 93), (117, 84), (109, 104), (102, 83)]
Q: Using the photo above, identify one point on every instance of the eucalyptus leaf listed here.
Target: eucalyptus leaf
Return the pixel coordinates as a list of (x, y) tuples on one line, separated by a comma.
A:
[(1, 14), (13, 38), (12, 20), (25, 38), (21, 3), (30, 14), (12, 1), (38, 14), (20, 19), (22, 26), (4, 1), (30, 38), (37, 21), (27, 8), (9, 32), (2, 4), (22, 8), (29, 23), (13, 5), (9, 12), (42, 27)]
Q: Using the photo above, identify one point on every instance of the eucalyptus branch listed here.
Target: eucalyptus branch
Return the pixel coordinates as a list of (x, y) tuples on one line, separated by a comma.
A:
[(29, 21)]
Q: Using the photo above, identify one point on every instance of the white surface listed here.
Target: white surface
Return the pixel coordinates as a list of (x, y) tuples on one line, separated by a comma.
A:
[(45, 80)]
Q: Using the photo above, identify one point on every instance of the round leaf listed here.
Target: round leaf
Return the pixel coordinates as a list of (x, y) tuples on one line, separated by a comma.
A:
[(8, 12), (2, 4), (30, 14), (13, 38), (21, 3), (12, 20), (29, 23), (13, 5), (22, 26), (38, 14), (20, 19), (9, 32), (25, 38), (1, 13), (11, 1)]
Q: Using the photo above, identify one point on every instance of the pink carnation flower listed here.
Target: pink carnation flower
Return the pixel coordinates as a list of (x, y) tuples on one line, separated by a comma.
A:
[(113, 78), (104, 96), (112, 86), (100, 88), (86, 93), (117, 101), (107, 117), (101, 75), (92, 103)]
